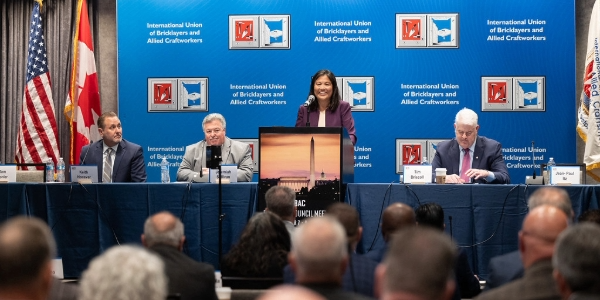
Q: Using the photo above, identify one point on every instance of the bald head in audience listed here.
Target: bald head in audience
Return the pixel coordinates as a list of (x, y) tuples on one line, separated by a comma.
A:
[(418, 265), (395, 217), (26, 251), (320, 252), (163, 228), (290, 292), (539, 233)]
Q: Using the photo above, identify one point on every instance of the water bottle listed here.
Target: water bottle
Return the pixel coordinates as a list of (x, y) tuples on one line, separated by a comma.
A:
[(60, 170), (50, 170), (164, 171), (549, 165)]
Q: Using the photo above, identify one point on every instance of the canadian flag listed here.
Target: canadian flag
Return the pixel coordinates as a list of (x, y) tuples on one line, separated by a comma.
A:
[(83, 102)]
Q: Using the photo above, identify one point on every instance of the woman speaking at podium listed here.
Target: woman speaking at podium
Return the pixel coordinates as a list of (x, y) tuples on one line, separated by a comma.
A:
[(328, 110)]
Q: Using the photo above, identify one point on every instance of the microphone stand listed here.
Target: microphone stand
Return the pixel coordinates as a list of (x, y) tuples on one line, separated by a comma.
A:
[(307, 116), (221, 217)]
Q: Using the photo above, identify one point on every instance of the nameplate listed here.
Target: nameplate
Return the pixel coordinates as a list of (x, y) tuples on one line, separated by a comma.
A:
[(8, 173), (565, 175), (228, 174), (84, 174), (57, 268), (417, 174)]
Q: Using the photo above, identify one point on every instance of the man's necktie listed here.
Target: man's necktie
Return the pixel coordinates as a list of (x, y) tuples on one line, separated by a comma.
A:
[(107, 169), (466, 165)]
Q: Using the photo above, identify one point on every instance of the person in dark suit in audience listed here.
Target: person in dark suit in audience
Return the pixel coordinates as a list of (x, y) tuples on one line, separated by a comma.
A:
[(507, 267), (592, 215), (360, 271), (164, 235), (281, 200), (576, 262), (328, 109), (432, 215), (26, 251), (117, 159), (395, 217), (261, 250), (418, 266), (470, 157), (537, 239), (319, 257)]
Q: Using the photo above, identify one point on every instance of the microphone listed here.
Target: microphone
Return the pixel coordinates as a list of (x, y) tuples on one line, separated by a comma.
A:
[(310, 99), (450, 219), (86, 153), (533, 158)]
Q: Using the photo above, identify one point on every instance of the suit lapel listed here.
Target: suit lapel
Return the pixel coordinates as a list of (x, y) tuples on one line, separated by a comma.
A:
[(455, 158), (118, 158), (98, 157), (226, 150), (478, 155)]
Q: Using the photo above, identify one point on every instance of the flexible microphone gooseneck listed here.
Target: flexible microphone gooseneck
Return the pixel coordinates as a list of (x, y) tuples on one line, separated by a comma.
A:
[(533, 158), (308, 101), (86, 153)]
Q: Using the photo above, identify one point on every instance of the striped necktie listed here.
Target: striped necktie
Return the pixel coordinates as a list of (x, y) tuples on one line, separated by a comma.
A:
[(107, 169)]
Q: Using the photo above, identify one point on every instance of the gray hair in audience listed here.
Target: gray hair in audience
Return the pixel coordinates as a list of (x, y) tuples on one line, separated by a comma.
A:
[(420, 261), (320, 245), (553, 196), (577, 257), (280, 200), (171, 237), (466, 116), (212, 117), (26, 246), (124, 273)]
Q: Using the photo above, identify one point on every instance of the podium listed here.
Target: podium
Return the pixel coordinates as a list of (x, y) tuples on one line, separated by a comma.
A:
[(315, 162)]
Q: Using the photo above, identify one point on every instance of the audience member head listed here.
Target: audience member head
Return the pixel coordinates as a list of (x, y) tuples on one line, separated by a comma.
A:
[(124, 273), (163, 228), (466, 127), (541, 227), (554, 196), (264, 241), (592, 215), (109, 128), (26, 251), (419, 264), (320, 253), (576, 261), (395, 217), (281, 200), (348, 217), (430, 214), (214, 128), (290, 292)]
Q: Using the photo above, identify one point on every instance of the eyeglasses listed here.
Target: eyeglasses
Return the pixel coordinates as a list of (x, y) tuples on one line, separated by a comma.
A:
[(215, 131)]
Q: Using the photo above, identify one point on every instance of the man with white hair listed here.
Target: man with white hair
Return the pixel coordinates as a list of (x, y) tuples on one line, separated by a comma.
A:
[(320, 256), (124, 272), (576, 262), (470, 158), (232, 152), (163, 235)]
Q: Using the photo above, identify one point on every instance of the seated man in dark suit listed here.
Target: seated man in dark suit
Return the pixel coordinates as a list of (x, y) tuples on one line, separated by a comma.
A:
[(469, 157), (359, 275), (117, 159), (163, 234)]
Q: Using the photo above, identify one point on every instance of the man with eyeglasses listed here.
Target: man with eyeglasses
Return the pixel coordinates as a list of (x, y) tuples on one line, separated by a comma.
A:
[(232, 152), (470, 158)]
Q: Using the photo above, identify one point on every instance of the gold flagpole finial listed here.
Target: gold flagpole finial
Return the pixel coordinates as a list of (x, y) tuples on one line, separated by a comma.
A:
[(40, 2)]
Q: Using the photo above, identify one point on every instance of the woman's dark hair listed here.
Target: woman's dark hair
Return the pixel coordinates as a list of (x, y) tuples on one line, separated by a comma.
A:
[(262, 248), (335, 93), (430, 214)]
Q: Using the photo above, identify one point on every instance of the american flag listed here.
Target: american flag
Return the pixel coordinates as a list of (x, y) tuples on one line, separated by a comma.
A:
[(38, 134)]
